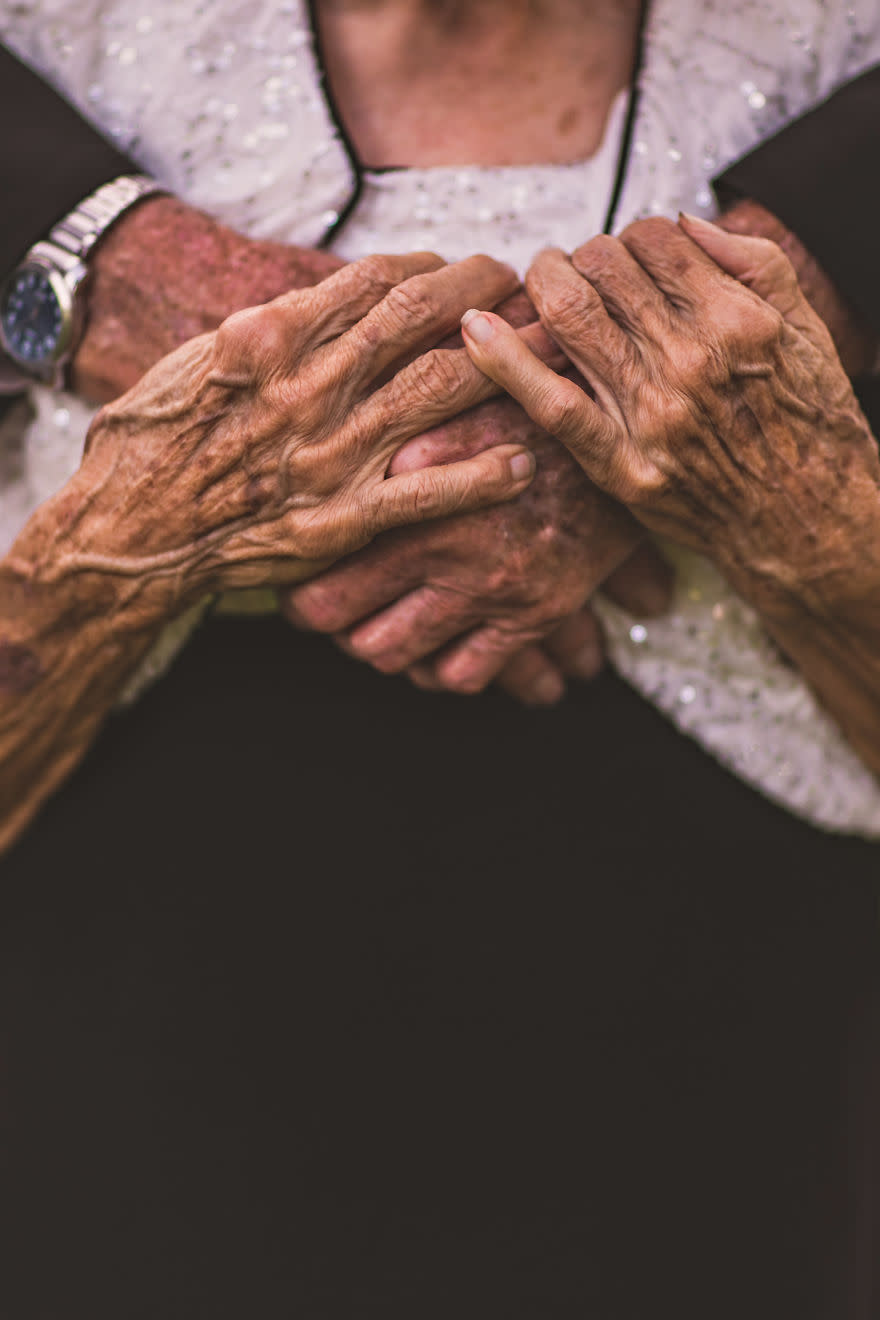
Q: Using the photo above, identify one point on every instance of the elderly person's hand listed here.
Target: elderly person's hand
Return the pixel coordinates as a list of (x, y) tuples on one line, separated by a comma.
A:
[(486, 586), (253, 455), (723, 419), (257, 453)]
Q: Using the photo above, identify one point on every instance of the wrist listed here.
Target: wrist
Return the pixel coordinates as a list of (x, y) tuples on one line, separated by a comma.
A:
[(837, 588), (166, 273), (65, 564)]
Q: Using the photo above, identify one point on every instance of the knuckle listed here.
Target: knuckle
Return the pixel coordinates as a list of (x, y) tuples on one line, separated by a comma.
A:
[(466, 685), (751, 324), (256, 338), (561, 411), (436, 377), (694, 362), (484, 264), (396, 505), (426, 498), (501, 576), (774, 261), (486, 269), (636, 485), (391, 661), (235, 336), (327, 531), (310, 541), (367, 648), (410, 303), (516, 580), (319, 608), (566, 308), (673, 414), (769, 325), (377, 268), (376, 276), (650, 232), (592, 256)]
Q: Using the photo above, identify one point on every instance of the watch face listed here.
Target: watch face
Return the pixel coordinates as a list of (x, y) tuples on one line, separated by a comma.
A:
[(31, 316)]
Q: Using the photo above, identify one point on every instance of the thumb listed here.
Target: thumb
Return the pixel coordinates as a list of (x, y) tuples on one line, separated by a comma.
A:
[(758, 263)]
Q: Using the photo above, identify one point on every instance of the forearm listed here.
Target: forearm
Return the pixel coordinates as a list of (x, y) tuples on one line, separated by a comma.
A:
[(67, 648), (841, 663), (165, 273), (830, 630)]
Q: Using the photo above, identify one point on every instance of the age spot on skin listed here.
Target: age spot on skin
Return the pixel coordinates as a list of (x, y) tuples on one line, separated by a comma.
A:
[(567, 121), (19, 668)]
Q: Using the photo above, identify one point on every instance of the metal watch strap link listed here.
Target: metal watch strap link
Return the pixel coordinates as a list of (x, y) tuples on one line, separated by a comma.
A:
[(74, 236)]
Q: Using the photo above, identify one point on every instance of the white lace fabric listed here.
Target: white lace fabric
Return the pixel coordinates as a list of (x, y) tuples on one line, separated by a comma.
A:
[(225, 105)]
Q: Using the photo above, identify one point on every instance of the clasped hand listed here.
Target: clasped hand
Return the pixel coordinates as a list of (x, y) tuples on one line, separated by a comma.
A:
[(258, 453), (467, 600), (718, 411)]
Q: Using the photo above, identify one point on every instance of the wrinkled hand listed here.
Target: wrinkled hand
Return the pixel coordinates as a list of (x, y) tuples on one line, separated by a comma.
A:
[(722, 415), (258, 453), (482, 588)]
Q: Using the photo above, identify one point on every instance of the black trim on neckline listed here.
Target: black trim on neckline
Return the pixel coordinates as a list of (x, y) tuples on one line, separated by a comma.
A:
[(623, 158), (358, 169), (354, 161)]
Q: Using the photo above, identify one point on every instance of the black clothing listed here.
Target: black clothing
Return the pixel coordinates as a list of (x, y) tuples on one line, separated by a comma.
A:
[(323, 997), (821, 176), (50, 159)]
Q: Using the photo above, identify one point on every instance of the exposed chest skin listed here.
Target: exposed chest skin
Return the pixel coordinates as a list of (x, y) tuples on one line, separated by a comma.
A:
[(478, 84)]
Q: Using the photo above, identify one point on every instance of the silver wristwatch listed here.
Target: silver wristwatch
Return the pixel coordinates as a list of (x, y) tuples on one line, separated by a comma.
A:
[(41, 318)]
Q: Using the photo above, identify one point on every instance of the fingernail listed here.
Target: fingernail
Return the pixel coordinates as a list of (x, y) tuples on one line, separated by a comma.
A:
[(477, 326), (522, 465), (695, 219), (587, 662), (548, 688)]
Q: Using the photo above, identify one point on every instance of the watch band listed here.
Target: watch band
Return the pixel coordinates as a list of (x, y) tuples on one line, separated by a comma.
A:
[(70, 241), (64, 253)]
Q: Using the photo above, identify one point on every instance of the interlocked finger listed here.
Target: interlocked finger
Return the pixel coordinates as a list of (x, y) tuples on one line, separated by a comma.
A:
[(414, 627), (352, 292), (576, 645), (470, 665), (573, 312), (497, 474), (353, 590), (436, 387), (643, 584), (412, 317), (557, 404), (532, 677), (274, 340)]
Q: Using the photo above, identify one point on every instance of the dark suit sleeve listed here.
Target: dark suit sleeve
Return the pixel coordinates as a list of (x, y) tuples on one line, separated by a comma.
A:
[(50, 159), (821, 177)]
